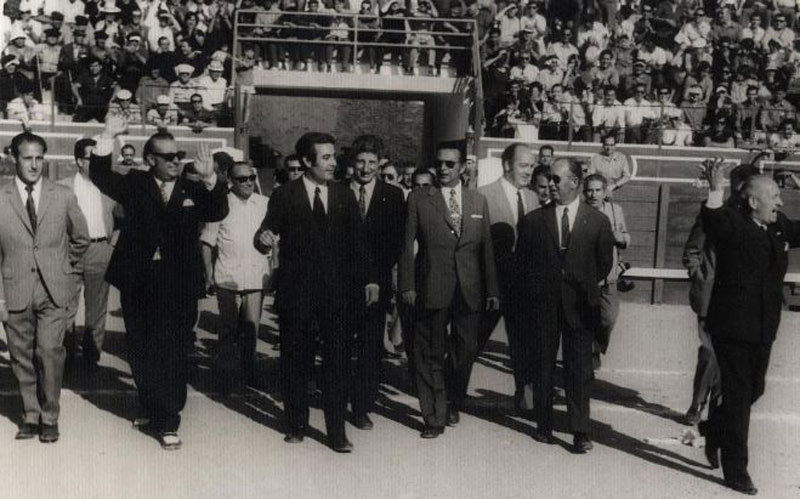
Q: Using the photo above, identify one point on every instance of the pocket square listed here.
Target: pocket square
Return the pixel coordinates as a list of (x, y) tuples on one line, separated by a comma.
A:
[(476, 216), (785, 246), (187, 203)]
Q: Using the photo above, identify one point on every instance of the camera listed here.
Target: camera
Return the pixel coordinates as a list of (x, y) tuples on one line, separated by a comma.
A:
[(624, 285)]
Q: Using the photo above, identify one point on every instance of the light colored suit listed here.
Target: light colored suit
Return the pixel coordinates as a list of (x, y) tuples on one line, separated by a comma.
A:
[(38, 283)]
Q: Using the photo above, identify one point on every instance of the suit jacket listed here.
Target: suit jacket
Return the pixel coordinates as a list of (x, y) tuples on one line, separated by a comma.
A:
[(751, 263), (446, 260), (384, 228), (504, 230), (550, 280), (699, 259), (60, 240), (318, 268), (173, 230)]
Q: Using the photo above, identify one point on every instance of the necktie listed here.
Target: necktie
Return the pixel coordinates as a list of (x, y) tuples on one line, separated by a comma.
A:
[(319, 210), (31, 207), (565, 229), (164, 193), (455, 212), (520, 208), (362, 201)]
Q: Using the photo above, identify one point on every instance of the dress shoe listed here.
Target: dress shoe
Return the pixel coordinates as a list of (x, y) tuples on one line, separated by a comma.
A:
[(692, 416), (169, 440), (340, 444), (453, 417), (48, 433), (712, 453), (544, 437), (581, 444), (362, 422), (742, 484), (91, 355), (294, 437), (431, 431), (27, 431)]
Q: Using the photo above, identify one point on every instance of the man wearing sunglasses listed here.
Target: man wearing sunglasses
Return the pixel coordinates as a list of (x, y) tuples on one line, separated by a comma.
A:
[(240, 275), (326, 263), (565, 249), (451, 280), (158, 267)]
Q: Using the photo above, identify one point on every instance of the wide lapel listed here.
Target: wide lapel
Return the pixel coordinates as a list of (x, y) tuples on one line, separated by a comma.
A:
[(468, 208), (375, 202), (16, 203), (499, 195), (44, 199), (436, 198), (581, 221), (151, 188), (177, 195), (299, 199), (550, 223)]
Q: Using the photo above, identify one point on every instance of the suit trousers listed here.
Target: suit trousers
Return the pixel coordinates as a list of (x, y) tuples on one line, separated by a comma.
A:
[(239, 320), (443, 363), (706, 387), (408, 316), (35, 342), (743, 367), (299, 330), (159, 320), (95, 294), (519, 346), (369, 345), (577, 356), (609, 312)]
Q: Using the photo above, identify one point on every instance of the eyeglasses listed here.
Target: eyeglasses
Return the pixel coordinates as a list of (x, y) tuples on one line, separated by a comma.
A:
[(389, 176), (294, 169), (197, 101), (445, 163), (248, 178), (557, 180), (167, 156)]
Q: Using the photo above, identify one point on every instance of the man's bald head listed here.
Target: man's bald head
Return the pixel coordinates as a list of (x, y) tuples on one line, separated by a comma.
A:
[(762, 198)]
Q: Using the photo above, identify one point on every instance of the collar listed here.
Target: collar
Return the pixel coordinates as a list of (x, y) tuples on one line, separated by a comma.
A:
[(310, 185), (369, 186), (37, 186), (573, 206), (446, 191)]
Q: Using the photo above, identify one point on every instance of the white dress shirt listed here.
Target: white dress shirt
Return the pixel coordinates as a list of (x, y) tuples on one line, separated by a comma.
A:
[(369, 188), (310, 188), (511, 194), (90, 201), (168, 186), (446, 194), (23, 194), (571, 214)]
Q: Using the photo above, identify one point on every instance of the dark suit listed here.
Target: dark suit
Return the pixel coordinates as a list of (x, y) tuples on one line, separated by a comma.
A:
[(743, 318), (452, 276), (320, 289), (564, 300), (383, 230), (504, 239), (37, 285), (158, 267)]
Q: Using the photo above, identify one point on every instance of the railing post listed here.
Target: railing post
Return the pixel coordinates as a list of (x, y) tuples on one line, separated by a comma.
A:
[(355, 41), (53, 104), (661, 127), (569, 124), (662, 216)]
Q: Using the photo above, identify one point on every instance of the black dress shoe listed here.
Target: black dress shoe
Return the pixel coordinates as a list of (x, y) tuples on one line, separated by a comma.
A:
[(340, 444), (453, 417), (432, 431), (91, 355), (362, 422), (544, 437), (582, 444), (27, 431), (712, 453), (49, 433), (294, 437), (692, 417), (742, 484)]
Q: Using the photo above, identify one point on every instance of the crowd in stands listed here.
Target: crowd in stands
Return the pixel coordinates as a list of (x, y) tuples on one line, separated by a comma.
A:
[(164, 62)]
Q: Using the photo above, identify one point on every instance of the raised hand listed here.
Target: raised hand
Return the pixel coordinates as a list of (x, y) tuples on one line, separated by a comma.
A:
[(713, 170), (205, 162), (115, 126)]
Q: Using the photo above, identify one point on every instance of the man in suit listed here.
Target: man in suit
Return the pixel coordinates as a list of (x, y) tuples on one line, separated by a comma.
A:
[(97, 209), (509, 200), (42, 237), (565, 249), (752, 242), (158, 268), (451, 283), (324, 264), (382, 210)]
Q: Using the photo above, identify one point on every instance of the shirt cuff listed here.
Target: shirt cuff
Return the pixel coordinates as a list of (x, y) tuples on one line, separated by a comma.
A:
[(104, 147), (715, 199), (210, 182)]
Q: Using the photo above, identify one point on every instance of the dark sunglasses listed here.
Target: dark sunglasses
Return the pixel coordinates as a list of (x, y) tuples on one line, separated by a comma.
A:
[(248, 178), (556, 179), (446, 163), (196, 101), (389, 176), (294, 169), (168, 156)]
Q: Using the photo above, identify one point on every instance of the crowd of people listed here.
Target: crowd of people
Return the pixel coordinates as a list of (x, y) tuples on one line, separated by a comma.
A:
[(343, 249)]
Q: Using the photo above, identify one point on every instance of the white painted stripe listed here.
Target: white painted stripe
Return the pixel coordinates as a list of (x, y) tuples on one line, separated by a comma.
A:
[(599, 145)]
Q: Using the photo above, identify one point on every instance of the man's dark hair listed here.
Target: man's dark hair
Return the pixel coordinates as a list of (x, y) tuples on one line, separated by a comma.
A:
[(420, 171), (458, 145), (223, 160), (80, 147), (508, 154), (305, 147), (609, 136), (595, 177), (546, 147), (291, 157), (367, 143), (128, 146), (574, 166), (150, 144), (26, 137), (541, 170)]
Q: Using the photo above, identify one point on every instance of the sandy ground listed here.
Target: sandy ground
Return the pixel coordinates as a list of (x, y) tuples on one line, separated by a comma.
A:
[(233, 446)]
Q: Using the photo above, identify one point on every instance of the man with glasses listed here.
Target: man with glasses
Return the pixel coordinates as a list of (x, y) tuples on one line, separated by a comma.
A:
[(747, 117), (92, 91), (638, 115), (326, 263), (450, 281), (240, 276), (780, 32), (197, 116), (389, 174), (98, 210), (776, 110), (525, 70), (157, 266), (564, 251), (293, 167), (608, 117)]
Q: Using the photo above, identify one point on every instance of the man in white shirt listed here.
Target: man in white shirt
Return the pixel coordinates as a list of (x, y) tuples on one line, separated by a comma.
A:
[(240, 274), (97, 209), (638, 113), (213, 87)]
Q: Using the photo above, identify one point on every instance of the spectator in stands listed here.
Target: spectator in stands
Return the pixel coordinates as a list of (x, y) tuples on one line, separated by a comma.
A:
[(636, 78), (25, 107), (540, 183), (10, 80), (197, 117), (608, 116), (546, 155), (133, 25), (213, 87), (367, 19), (592, 37), (164, 115), (47, 54), (780, 32), (391, 15), (181, 90), (128, 159), (695, 32), (524, 70), (694, 111), (754, 31), (92, 92), (131, 63), (551, 74), (563, 48), (316, 27), (611, 164), (776, 110), (510, 24), (725, 27), (638, 115), (677, 133), (702, 80), (164, 29), (748, 127), (123, 107), (339, 32), (786, 140), (150, 87), (720, 134)]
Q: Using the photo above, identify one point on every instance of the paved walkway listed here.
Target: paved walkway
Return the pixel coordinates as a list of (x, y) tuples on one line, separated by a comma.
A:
[(233, 447)]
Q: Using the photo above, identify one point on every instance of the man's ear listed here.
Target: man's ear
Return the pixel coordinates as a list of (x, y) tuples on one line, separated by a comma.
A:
[(752, 202)]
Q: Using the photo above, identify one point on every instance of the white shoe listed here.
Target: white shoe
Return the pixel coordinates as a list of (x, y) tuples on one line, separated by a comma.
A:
[(170, 440), (141, 421)]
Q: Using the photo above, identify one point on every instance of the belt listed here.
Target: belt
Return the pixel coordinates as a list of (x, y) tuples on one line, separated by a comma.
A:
[(98, 239)]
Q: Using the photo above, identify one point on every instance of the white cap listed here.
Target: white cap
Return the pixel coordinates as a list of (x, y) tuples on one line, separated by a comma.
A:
[(162, 99)]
